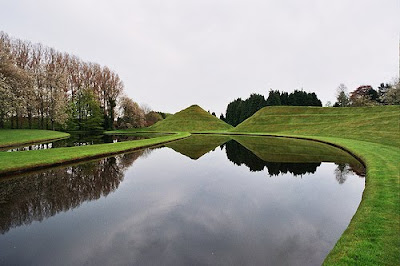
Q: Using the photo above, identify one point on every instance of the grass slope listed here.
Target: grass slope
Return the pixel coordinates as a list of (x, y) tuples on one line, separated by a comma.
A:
[(378, 124), (12, 137), (372, 133), (191, 119), (24, 160)]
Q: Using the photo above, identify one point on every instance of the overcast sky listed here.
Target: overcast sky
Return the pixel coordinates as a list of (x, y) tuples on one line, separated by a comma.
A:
[(171, 54)]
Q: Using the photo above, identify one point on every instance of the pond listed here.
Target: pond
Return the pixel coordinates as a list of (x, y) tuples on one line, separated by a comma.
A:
[(201, 200), (82, 139)]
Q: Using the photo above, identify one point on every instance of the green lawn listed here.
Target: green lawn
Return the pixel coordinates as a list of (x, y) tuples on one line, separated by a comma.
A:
[(23, 160), (10, 137)]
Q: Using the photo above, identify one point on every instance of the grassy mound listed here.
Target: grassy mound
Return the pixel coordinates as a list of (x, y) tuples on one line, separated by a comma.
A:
[(372, 133), (379, 124), (191, 119)]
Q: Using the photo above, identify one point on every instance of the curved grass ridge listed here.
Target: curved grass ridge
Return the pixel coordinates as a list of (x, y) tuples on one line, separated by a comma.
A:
[(11, 137), (15, 162)]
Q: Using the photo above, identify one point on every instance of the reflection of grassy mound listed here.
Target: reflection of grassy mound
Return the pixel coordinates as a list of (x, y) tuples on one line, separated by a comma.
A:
[(197, 145), (239, 155), (376, 124), (284, 150), (272, 149), (191, 119)]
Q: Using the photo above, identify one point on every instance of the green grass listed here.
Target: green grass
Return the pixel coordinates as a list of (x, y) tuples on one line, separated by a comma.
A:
[(12, 137), (378, 124), (371, 133), (24, 160), (193, 118)]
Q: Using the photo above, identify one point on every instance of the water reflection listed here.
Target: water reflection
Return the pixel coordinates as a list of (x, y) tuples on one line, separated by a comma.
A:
[(37, 196), (81, 140), (298, 157), (168, 209), (239, 155), (197, 145)]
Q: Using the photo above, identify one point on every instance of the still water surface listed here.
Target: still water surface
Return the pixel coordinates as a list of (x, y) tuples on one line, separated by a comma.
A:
[(184, 205), (77, 139)]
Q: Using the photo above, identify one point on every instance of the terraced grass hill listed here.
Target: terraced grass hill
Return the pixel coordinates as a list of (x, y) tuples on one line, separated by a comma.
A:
[(191, 119), (378, 124)]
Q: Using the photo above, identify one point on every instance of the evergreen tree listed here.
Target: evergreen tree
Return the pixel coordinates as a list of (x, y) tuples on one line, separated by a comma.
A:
[(274, 98), (284, 97)]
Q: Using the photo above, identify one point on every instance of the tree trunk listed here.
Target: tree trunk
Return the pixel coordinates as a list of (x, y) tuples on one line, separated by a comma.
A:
[(2, 120), (42, 115), (30, 119), (17, 120)]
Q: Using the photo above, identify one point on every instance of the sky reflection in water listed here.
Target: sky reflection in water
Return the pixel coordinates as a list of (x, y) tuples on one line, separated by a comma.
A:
[(158, 207)]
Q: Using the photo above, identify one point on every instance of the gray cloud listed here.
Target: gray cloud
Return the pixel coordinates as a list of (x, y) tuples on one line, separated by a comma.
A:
[(171, 54)]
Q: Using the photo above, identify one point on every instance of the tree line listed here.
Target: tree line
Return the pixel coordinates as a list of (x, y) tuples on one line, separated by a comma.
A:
[(43, 88), (239, 110), (366, 95)]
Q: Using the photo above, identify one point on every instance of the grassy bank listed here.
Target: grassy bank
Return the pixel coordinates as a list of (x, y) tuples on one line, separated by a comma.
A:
[(29, 160), (371, 133), (13, 137)]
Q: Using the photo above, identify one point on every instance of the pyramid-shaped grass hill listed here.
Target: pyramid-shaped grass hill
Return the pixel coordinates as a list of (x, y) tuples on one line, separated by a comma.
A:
[(191, 119)]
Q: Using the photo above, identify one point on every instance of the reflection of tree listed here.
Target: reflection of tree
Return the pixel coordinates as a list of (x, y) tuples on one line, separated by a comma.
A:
[(294, 168), (37, 196), (79, 140), (341, 172), (239, 155)]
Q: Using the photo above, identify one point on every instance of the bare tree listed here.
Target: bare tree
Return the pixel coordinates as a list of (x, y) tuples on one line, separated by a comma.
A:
[(131, 114), (40, 83)]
